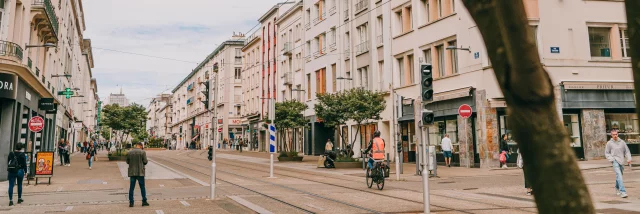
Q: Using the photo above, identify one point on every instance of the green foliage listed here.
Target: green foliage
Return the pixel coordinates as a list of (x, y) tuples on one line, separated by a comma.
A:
[(125, 120), (118, 152), (283, 154), (289, 115), (343, 158), (155, 143), (105, 132)]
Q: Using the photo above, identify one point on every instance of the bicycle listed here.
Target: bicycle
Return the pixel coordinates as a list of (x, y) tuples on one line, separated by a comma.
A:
[(376, 175)]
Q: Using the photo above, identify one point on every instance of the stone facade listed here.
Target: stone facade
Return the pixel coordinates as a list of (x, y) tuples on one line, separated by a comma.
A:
[(465, 138), (594, 133), (487, 131)]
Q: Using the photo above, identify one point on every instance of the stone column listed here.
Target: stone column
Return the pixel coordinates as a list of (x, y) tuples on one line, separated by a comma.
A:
[(465, 138), (487, 132), (594, 133)]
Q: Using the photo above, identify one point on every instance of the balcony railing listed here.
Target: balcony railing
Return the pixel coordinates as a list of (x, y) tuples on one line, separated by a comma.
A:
[(29, 62), (347, 53), (38, 72), (346, 14), (361, 5), (379, 40), (362, 48), (316, 20), (332, 10), (307, 26), (288, 78), (238, 61), (286, 48), (11, 49), (51, 13)]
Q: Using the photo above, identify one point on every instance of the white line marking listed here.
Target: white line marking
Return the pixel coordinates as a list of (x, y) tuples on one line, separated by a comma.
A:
[(69, 208), (311, 205), (250, 205), (308, 198), (104, 182), (184, 175), (185, 203), (161, 185), (59, 189), (159, 212)]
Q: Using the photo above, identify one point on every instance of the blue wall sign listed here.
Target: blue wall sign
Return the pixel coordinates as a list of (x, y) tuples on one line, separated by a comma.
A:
[(476, 55), (555, 49)]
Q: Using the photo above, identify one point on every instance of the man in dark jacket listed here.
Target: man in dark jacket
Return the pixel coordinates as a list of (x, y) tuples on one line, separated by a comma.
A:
[(137, 159)]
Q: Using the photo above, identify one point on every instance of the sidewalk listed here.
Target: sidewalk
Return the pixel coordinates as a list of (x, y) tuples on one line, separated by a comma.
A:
[(104, 189)]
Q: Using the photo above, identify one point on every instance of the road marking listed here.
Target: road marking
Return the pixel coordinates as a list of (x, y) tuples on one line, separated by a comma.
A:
[(185, 203), (69, 208), (161, 185), (183, 174), (159, 212), (250, 205), (311, 205), (104, 182), (59, 189), (308, 198)]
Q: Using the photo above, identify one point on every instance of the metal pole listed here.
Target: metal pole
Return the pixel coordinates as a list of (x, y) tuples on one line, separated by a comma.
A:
[(272, 115), (271, 167), (215, 146), (425, 181)]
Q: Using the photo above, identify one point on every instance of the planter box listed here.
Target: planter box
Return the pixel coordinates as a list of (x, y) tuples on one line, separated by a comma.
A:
[(348, 165), (154, 149), (117, 158), (284, 159)]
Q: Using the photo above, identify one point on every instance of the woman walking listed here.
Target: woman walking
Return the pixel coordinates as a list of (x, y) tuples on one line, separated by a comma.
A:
[(91, 153), (17, 166), (504, 150), (67, 156), (61, 152), (520, 164)]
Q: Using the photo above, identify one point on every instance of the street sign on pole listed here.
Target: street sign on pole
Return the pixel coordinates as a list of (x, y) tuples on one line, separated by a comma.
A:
[(465, 111), (36, 124), (272, 146)]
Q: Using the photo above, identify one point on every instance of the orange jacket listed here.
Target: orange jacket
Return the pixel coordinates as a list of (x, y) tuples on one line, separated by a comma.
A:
[(378, 148)]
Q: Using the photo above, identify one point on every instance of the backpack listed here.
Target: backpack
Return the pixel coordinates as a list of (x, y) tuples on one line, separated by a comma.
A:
[(13, 166)]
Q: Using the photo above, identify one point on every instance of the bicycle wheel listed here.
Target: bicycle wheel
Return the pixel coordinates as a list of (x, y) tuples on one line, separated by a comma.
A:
[(369, 178), (380, 182)]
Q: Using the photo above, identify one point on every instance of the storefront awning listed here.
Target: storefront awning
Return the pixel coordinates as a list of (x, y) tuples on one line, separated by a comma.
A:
[(452, 94), (406, 118)]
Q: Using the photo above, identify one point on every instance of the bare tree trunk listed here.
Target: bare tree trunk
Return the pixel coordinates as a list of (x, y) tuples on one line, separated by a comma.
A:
[(350, 152), (550, 163), (633, 29)]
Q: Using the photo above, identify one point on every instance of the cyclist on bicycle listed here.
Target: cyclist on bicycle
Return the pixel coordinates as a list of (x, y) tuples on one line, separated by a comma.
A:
[(377, 145)]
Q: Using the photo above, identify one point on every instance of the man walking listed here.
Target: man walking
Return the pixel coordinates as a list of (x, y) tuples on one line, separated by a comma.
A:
[(446, 150), (137, 159), (615, 151)]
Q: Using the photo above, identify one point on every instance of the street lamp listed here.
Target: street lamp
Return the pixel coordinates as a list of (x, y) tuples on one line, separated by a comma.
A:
[(45, 45), (459, 48)]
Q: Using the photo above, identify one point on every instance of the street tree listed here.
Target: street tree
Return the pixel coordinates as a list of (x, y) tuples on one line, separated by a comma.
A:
[(549, 162), (289, 116), (357, 104), (124, 120), (105, 132)]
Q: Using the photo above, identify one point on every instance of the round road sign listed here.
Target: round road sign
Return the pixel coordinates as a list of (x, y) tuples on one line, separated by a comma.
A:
[(36, 124), (465, 111), (219, 129)]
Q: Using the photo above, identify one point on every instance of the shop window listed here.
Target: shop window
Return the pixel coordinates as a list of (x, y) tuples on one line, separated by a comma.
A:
[(599, 42), (442, 127), (366, 134), (626, 124), (572, 124), (504, 129)]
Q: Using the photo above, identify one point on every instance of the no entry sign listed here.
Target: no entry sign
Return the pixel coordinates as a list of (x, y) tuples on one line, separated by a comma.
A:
[(36, 124), (465, 111)]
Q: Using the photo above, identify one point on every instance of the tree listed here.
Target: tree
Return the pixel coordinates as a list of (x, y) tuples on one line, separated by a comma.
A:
[(125, 120), (289, 115), (356, 104), (633, 27), (549, 162), (105, 132)]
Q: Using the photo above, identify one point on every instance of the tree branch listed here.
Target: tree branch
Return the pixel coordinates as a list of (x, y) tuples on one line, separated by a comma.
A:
[(633, 29)]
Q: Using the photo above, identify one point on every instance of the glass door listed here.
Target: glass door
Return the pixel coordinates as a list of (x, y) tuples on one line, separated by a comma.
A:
[(572, 125)]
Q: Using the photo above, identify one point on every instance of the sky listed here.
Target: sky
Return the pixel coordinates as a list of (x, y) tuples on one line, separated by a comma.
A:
[(180, 33)]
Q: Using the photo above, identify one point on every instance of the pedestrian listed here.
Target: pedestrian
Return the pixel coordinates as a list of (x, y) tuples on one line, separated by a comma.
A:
[(616, 151), (67, 156), (224, 144), (520, 164), (504, 149), (61, 152), (328, 146), (78, 146), (84, 147), (446, 150), (16, 168), (91, 153), (137, 159), (241, 144)]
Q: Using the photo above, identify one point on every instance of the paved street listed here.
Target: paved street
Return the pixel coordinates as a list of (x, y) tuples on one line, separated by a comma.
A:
[(177, 182)]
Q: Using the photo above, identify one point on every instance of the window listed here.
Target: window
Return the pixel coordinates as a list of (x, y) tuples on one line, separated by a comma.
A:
[(411, 70), (626, 124), (333, 77), (572, 124), (333, 36), (379, 30), (308, 48), (624, 41), (441, 65), (533, 33), (401, 69), (453, 6), (364, 77), (238, 52), (442, 127), (399, 24), (238, 73), (238, 110), (308, 86), (439, 8), (454, 57), (425, 11), (427, 56), (321, 82), (599, 42), (381, 76)]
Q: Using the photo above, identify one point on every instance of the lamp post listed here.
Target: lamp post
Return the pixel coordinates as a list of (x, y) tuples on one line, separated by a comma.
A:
[(45, 45)]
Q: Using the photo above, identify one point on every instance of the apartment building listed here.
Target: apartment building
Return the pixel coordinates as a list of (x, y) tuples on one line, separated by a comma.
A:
[(192, 122), (156, 115), (252, 91), (585, 54), (291, 63), (43, 52)]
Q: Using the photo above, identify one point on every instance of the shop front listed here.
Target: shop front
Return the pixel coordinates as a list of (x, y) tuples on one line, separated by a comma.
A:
[(407, 128), (461, 132)]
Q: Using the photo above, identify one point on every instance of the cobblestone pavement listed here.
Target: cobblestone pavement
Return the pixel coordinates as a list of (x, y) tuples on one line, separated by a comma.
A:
[(178, 182)]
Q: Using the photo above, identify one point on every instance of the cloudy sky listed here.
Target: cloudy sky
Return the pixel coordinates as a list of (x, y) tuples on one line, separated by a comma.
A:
[(180, 33)]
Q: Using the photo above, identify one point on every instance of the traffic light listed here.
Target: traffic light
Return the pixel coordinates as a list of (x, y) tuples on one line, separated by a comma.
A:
[(210, 153), (206, 95), (399, 147), (426, 82), (427, 117)]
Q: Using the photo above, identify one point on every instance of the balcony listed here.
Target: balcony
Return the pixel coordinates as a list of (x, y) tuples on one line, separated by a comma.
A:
[(288, 78), (307, 26), (51, 34), (215, 68), (38, 72), (29, 63), (286, 49), (238, 61), (346, 14), (361, 5), (379, 40), (362, 48), (347, 54), (332, 10), (11, 50)]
